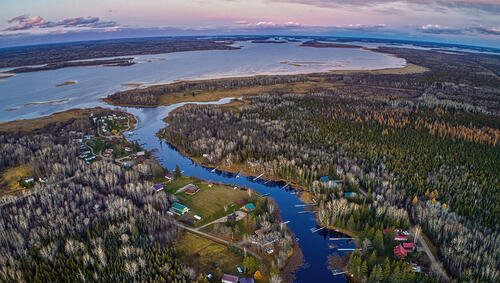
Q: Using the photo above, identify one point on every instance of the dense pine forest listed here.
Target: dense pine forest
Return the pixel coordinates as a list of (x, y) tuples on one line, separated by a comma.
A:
[(87, 222), (439, 163)]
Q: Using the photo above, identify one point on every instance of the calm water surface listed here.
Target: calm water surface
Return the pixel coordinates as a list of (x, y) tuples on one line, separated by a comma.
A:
[(94, 82)]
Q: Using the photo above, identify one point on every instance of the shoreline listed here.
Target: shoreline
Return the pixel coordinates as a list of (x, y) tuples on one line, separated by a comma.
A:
[(170, 98)]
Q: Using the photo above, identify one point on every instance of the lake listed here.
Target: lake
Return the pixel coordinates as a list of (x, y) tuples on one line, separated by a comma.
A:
[(97, 82)]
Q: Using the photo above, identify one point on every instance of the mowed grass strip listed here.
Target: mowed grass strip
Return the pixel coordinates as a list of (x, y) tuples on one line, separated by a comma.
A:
[(203, 254)]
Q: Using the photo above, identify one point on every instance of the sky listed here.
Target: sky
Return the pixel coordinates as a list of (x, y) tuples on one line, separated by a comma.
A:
[(473, 22)]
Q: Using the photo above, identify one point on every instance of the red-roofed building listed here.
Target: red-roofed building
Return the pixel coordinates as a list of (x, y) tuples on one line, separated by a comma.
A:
[(399, 251), (409, 247), (400, 238)]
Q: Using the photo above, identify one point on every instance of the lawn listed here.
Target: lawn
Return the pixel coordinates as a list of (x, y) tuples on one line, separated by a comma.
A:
[(204, 254), (9, 179), (209, 202)]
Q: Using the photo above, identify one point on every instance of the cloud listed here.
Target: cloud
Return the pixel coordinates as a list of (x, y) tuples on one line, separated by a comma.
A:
[(490, 6), (438, 29), (360, 27), (486, 30), (24, 22)]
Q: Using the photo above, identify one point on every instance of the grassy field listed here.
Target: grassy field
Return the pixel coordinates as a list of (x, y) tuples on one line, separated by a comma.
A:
[(208, 202), (204, 254), (9, 179)]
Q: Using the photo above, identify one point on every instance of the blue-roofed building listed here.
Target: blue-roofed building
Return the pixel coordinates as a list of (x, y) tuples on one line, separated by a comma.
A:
[(350, 194), (248, 207), (324, 179), (179, 209)]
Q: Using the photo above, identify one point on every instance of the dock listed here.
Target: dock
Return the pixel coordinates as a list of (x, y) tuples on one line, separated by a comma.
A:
[(313, 230), (338, 239), (286, 186), (349, 249), (238, 175), (265, 195), (305, 211), (213, 170), (286, 222), (306, 204), (337, 272), (256, 178)]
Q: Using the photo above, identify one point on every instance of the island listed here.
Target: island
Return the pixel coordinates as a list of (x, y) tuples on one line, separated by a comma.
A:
[(119, 62), (319, 44), (64, 53), (66, 83)]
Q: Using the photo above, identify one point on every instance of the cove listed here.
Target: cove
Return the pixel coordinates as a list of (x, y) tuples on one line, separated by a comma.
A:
[(314, 246)]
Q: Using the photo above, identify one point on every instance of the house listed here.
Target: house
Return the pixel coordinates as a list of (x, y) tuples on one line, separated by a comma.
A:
[(193, 189), (248, 207), (141, 153), (29, 180), (197, 217), (324, 179), (400, 238), (158, 187), (409, 247), (399, 251), (179, 209), (228, 278), (247, 280), (169, 177), (350, 194), (240, 270)]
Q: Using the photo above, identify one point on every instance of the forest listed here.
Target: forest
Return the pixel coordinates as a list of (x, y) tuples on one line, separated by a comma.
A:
[(62, 52), (439, 164), (87, 222)]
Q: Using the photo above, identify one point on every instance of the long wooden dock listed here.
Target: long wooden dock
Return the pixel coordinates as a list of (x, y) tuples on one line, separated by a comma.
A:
[(256, 178)]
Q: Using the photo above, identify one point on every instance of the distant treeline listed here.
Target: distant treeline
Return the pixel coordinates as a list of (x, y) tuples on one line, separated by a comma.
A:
[(62, 52)]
